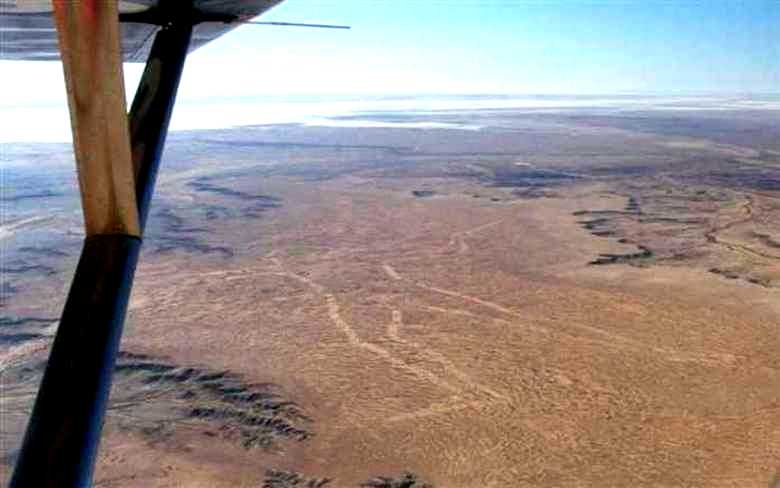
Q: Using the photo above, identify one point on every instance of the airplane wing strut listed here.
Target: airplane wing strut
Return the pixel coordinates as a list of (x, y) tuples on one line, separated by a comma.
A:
[(117, 159)]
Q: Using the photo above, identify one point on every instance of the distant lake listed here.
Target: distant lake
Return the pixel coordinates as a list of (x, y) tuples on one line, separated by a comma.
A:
[(51, 123)]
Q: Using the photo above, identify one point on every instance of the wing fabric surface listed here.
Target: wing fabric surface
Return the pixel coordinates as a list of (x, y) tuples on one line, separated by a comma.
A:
[(27, 29)]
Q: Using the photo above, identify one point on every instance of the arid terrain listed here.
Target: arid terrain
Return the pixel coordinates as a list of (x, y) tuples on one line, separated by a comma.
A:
[(527, 298)]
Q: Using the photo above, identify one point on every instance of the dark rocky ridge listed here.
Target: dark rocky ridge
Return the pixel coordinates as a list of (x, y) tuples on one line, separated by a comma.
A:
[(633, 258), (254, 415), (257, 203), (405, 480), (153, 397), (177, 235), (29, 196), (290, 479), (275, 478), (18, 330)]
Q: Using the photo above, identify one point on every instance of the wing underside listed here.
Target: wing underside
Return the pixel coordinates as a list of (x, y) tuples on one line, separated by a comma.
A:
[(27, 29)]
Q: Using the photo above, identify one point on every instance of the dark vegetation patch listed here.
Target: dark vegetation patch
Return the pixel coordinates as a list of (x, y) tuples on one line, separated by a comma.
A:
[(178, 235), (634, 258), (672, 220), (765, 282), (7, 290), (621, 171), (733, 274), (174, 223), (405, 480), (526, 177), (189, 244), (632, 206), (724, 174), (176, 228), (164, 395), (308, 145), (601, 226), (288, 479), (533, 192), (18, 330), (747, 177), (726, 273), (155, 398), (29, 196), (21, 267), (18, 338), (214, 212), (43, 251), (15, 322), (666, 221), (606, 213), (767, 240), (606, 223), (254, 204), (260, 202), (726, 128)]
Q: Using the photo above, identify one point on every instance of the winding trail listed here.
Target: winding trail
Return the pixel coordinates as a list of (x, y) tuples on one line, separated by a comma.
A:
[(459, 238), (465, 391), (434, 355), (749, 214), (609, 339), (391, 272), (334, 314), (430, 365)]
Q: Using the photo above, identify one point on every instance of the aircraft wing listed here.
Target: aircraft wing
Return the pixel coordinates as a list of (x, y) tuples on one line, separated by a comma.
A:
[(27, 29)]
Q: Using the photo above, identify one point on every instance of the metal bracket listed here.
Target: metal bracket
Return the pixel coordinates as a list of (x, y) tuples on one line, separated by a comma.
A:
[(162, 16)]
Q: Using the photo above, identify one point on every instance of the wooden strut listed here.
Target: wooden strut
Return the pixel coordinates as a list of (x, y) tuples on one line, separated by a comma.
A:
[(90, 47)]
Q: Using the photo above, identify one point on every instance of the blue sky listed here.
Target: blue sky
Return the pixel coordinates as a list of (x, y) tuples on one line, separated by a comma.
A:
[(565, 46), (477, 46)]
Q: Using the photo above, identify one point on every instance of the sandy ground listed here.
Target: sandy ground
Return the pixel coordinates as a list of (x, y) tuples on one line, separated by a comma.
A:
[(332, 326)]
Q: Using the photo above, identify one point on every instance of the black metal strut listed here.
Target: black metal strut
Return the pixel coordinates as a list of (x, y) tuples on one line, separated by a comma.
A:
[(63, 433), (152, 106)]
